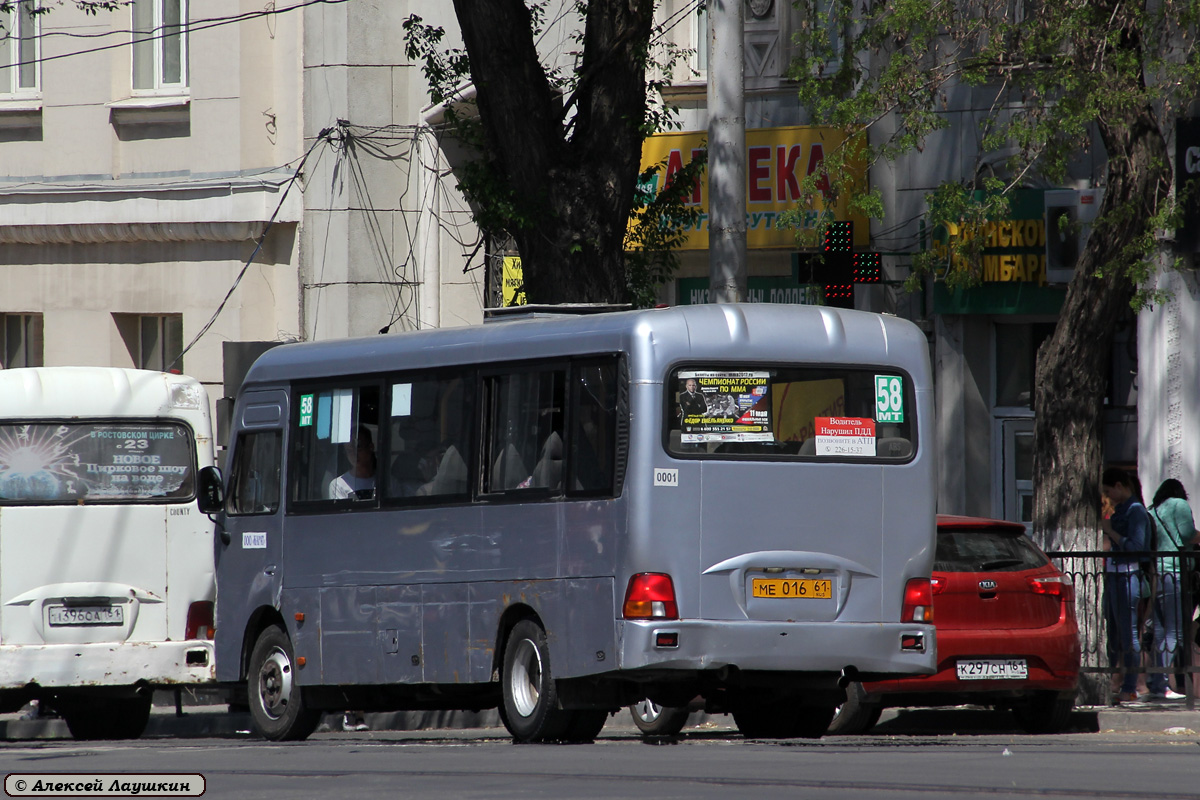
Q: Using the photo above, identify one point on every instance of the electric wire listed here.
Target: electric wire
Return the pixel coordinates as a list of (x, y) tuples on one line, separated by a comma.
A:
[(322, 137)]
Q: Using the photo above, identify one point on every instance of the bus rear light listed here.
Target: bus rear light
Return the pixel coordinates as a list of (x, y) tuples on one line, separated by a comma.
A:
[(918, 601), (199, 621), (651, 595)]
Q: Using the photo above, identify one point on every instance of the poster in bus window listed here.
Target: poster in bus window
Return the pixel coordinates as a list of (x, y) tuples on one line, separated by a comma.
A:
[(95, 462), (724, 406)]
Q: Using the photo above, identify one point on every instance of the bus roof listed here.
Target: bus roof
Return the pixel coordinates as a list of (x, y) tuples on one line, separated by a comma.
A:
[(750, 332), (67, 392)]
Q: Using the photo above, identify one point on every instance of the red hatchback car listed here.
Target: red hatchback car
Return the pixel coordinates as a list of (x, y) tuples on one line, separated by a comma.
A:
[(1006, 633)]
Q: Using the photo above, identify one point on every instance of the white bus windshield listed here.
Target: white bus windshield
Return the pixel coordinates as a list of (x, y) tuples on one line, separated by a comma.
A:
[(69, 462)]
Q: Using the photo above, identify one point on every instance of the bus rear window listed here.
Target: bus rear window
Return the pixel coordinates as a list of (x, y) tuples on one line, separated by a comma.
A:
[(835, 413), (96, 462)]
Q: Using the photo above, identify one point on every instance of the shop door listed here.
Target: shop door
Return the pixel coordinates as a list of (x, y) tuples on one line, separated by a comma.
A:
[(1016, 469)]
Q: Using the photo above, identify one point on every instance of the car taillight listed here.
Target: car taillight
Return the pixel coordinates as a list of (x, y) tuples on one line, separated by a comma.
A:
[(651, 595), (1055, 585), (199, 621), (918, 601), (939, 584)]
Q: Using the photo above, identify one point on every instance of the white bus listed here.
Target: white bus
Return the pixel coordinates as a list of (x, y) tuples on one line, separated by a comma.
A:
[(106, 563), (537, 515)]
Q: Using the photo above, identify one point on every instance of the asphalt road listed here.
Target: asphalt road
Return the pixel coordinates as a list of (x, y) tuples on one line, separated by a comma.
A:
[(895, 763)]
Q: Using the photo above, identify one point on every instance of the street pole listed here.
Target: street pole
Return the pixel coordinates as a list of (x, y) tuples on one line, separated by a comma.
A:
[(726, 152)]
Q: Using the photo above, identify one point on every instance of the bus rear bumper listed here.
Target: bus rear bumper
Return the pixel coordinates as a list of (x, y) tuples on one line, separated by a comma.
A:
[(107, 664), (862, 648)]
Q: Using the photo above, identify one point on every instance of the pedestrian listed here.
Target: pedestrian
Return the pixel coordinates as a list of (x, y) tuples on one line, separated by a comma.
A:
[(1126, 532), (1176, 531)]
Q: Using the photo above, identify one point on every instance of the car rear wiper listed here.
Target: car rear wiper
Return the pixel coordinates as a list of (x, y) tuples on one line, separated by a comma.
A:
[(998, 563)]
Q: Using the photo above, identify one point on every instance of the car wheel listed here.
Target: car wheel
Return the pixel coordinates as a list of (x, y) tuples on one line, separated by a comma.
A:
[(856, 715), (783, 721), (107, 718), (655, 720), (531, 711), (276, 700), (1045, 712)]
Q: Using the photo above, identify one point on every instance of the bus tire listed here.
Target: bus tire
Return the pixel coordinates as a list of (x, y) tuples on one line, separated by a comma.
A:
[(276, 700), (107, 718), (855, 715), (530, 698), (655, 720)]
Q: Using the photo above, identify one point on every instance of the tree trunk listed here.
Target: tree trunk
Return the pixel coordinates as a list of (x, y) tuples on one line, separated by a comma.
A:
[(1072, 368), (571, 173)]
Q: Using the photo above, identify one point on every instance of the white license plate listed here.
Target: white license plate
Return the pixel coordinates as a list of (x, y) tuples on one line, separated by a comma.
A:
[(87, 615), (986, 669)]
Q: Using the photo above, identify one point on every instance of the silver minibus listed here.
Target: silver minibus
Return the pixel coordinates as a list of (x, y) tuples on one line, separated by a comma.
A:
[(560, 515)]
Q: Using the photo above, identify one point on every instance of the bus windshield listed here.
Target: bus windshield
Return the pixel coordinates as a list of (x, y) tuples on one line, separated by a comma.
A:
[(68, 462)]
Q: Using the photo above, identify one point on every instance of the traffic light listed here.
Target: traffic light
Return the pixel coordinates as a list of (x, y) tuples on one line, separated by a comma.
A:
[(839, 237), (867, 268)]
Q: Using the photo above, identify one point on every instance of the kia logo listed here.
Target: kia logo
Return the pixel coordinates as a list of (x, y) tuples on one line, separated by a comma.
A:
[(987, 586)]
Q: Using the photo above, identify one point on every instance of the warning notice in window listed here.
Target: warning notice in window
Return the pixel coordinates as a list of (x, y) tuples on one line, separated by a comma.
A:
[(845, 436)]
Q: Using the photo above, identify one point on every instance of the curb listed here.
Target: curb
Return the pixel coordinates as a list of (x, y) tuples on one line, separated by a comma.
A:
[(216, 722)]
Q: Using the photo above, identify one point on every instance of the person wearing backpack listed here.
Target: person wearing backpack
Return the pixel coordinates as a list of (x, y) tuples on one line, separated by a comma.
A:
[(1176, 530), (1126, 531)]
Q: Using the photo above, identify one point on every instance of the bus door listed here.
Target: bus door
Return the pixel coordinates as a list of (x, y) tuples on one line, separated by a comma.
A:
[(249, 543)]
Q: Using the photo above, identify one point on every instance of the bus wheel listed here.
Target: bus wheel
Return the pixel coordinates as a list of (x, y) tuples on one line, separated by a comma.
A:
[(276, 701), (655, 720), (856, 714), (531, 711), (107, 718)]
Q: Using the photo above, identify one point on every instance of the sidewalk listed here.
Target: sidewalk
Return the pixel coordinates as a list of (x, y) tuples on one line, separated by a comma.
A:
[(1169, 718)]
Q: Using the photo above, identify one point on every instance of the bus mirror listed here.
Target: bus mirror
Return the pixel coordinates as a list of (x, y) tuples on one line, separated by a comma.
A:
[(212, 492)]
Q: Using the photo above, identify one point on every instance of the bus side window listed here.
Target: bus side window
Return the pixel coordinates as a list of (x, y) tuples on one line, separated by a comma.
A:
[(254, 481), (593, 439), (427, 445), (524, 428), (333, 450)]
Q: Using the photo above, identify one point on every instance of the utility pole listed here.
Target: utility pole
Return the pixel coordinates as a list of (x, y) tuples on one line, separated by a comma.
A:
[(726, 152)]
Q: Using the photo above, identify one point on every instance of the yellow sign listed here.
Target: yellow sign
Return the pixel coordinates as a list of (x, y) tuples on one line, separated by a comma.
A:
[(512, 290), (777, 160), (796, 405), (1026, 235)]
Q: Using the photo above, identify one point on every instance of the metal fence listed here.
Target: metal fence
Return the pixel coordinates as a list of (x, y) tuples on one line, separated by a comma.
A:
[(1160, 595)]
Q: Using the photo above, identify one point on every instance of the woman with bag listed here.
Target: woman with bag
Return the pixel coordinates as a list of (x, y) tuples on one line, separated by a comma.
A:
[(1176, 530)]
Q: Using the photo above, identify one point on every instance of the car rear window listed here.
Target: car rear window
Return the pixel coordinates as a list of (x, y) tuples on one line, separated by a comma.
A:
[(986, 550)]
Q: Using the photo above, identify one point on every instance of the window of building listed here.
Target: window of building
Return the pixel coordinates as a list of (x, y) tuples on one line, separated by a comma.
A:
[(19, 50), (159, 45), (160, 342), (1016, 355), (21, 340)]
